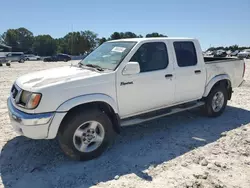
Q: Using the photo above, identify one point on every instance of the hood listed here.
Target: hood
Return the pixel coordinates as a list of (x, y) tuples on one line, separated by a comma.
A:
[(34, 81), (244, 52)]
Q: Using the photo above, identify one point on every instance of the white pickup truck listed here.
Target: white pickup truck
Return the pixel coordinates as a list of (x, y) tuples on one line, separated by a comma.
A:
[(121, 83)]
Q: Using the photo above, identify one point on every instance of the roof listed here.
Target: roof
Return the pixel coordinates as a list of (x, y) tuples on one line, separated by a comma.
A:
[(150, 39), (3, 45)]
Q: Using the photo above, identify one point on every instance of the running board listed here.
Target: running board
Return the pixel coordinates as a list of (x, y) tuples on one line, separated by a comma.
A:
[(160, 113)]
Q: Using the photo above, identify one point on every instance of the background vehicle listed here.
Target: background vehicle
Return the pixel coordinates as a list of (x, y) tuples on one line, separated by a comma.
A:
[(58, 57), (235, 53), (220, 53), (15, 56), (4, 50), (2, 59), (33, 57), (121, 83), (244, 54), (209, 53)]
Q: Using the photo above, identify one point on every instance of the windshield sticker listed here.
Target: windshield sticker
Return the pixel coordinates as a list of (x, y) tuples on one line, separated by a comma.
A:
[(118, 49)]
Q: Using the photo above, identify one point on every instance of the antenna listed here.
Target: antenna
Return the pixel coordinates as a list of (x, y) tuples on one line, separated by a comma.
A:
[(71, 43)]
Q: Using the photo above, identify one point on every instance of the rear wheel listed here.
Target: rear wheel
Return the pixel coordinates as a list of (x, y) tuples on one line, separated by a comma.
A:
[(216, 101), (86, 135), (21, 61)]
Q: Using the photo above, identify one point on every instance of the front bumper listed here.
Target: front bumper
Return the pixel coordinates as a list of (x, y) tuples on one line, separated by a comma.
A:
[(35, 126)]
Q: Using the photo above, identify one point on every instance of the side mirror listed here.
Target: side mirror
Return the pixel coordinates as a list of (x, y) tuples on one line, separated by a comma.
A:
[(131, 68)]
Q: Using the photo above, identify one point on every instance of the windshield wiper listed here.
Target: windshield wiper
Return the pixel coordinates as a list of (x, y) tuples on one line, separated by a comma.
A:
[(95, 66)]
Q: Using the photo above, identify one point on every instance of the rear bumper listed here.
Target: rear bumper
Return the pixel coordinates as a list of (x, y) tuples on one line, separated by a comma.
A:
[(35, 126)]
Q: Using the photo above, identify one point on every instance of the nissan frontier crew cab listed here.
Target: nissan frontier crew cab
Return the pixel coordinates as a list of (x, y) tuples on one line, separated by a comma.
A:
[(122, 82)]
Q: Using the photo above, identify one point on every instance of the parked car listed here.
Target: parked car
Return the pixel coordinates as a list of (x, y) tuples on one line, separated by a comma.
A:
[(121, 83), (235, 53), (58, 57), (220, 53), (229, 52), (32, 57), (209, 53), (15, 56), (244, 54), (2, 59)]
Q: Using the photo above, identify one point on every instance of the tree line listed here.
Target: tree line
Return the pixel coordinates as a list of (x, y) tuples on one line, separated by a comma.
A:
[(232, 48), (74, 43)]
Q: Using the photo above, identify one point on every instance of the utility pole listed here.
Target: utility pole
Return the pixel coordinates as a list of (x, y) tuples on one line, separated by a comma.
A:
[(72, 39)]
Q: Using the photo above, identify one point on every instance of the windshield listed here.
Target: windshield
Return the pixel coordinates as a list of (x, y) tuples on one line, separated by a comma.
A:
[(108, 55)]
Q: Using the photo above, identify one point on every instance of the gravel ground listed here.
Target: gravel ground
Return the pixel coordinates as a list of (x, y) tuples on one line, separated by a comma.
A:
[(182, 150)]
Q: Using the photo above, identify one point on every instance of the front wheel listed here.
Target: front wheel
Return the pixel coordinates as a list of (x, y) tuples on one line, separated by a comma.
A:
[(216, 101), (86, 135)]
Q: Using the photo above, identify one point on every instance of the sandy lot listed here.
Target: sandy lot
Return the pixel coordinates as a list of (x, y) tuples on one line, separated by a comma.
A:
[(183, 150)]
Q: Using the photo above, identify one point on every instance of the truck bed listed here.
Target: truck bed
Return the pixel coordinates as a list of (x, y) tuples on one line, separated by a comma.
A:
[(232, 67), (218, 59)]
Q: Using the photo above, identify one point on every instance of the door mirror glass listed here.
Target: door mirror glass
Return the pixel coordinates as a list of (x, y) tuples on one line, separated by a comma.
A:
[(131, 68)]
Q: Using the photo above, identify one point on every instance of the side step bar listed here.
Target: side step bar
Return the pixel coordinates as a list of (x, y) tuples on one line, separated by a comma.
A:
[(160, 113)]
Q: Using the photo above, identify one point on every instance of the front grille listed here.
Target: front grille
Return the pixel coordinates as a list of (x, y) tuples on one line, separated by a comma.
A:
[(16, 93)]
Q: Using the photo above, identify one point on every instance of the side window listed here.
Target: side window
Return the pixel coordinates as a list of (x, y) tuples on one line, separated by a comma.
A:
[(151, 56), (185, 54), (16, 55)]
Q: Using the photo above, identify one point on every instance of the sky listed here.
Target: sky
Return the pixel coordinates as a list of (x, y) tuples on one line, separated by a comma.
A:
[(213, 22)]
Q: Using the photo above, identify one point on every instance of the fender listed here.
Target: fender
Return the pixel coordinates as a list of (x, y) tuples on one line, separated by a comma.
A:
[(71, 103), (213, 81), (83, 99)]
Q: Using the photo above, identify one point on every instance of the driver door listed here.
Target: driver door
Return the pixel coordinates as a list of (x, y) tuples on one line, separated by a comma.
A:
[(153, 87)]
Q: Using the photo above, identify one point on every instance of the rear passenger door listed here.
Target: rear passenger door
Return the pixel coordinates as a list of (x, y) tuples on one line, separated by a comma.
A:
[(189, 72)]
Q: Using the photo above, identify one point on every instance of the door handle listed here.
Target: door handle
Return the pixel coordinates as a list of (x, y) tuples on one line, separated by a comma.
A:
[(168, 76), (197, 71)]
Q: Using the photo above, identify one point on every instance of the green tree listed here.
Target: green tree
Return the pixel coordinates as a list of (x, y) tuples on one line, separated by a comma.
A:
[(123, 35), (11, 39), (20, 39), (77, 43), (155, 34), (91, 39), (44, 45), (102, 40), (129, 34), (115, 36), (61, 46)]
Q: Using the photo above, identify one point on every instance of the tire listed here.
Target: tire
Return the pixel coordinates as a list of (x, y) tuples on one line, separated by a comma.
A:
[(21, 61), (70, 143), (218, 92)]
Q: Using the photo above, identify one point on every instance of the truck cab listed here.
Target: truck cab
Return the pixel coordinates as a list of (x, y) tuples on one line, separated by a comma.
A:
[(122, 82)]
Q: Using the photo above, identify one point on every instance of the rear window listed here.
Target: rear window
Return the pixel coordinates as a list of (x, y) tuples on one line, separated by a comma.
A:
[(185, 53)]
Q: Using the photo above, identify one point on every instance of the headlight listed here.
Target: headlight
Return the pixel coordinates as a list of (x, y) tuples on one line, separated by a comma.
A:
[(25, 97), (30, 100)]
